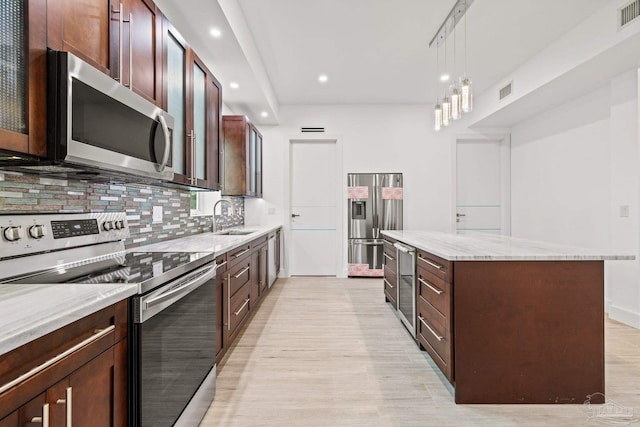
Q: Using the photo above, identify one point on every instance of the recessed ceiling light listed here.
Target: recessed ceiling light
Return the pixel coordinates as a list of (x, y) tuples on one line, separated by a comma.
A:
[(234, 85), (215, 32), (444, 77), (322, 78), (264, 114)]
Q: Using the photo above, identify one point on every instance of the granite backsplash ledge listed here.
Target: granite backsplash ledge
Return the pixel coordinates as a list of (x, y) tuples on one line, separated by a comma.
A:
[(25, 193)]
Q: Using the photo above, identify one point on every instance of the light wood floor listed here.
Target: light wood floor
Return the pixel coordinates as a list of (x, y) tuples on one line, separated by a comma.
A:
[(330, 352)]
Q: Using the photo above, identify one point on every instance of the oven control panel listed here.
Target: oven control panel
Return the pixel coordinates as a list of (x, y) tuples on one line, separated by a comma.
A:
[(26, 234)]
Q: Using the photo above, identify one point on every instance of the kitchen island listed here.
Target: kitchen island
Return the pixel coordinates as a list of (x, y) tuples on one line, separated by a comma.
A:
[(510, 320)]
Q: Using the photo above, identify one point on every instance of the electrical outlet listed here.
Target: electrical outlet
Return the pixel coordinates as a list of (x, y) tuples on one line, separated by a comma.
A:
[(157, 214), (624, 211)]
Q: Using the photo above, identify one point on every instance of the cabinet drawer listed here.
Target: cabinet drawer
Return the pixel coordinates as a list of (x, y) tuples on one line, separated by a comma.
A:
[(435, 342), (259, 241), (239, 275), (435, 291), (390, 264), (221, 263), (234, 256), (436, 320), (436, 265), (239, 307)]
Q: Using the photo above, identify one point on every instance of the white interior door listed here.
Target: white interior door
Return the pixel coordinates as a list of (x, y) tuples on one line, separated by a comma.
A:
[(313, 225), (482, 186)]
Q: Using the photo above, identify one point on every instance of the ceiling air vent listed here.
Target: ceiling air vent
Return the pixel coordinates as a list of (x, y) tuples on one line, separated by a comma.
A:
[(506, 91), (307, 129), (628, 13)]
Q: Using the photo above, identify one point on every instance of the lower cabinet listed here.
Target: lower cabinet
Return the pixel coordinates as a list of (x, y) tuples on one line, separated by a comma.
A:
[(242, 283), (86, 387), (390, 267)]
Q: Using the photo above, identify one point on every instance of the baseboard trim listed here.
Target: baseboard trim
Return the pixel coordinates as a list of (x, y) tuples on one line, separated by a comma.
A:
[(625, 316)]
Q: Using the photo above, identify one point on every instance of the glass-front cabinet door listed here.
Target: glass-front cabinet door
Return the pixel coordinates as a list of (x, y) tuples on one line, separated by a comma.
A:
[(22, 67), (176, 101), (199, 131), (193, 98)]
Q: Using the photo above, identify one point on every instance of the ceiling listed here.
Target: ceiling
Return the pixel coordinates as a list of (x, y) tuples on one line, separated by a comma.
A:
[(373, 51)]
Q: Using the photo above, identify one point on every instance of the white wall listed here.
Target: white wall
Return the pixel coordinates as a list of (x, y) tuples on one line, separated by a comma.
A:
[(560, 174), (572, 169), (375, 138)]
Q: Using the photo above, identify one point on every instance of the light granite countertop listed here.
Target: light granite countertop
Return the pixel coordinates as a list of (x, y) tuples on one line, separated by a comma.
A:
[(28, 311), (210, 242), (492, 247)]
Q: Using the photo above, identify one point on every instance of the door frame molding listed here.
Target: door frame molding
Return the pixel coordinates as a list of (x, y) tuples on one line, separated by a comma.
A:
[(504, 138), (340, 244)]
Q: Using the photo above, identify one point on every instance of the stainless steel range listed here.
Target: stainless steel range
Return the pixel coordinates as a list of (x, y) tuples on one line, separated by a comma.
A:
[(172, 320)]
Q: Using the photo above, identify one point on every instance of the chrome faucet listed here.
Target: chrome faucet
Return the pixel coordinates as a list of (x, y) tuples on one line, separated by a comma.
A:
[(215, 217)]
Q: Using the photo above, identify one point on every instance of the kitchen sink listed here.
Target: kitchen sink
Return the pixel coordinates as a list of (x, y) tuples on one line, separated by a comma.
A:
[(234, 232)]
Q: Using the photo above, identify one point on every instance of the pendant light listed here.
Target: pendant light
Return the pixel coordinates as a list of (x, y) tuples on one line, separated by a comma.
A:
[(466, 91), (446, 111), (437, 116), (437, 112), (456, 107)]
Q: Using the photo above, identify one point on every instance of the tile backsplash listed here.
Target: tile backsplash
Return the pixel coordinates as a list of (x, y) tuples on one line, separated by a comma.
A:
[(24, 193)]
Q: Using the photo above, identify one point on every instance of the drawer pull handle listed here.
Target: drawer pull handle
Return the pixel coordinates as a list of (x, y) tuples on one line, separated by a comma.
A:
[(67, 402), (242, 308), (241, 253), (44, 419), (244, 270), (432, 264), (390, 258), (428, 285), (438, 337), (229, 302), (222, 264), (99, 333), (387, 282)]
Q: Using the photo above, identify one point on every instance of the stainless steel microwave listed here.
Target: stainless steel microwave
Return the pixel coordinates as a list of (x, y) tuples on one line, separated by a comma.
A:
[(98, 129), (97, 124)]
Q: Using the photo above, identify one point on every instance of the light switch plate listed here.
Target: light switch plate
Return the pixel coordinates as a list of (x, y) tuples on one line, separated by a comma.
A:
[(157, 214), (624, 211), (271, 211)]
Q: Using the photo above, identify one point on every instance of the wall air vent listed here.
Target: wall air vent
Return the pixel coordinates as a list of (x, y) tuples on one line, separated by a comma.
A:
[(309, 129), (628, 13), (506, 91)]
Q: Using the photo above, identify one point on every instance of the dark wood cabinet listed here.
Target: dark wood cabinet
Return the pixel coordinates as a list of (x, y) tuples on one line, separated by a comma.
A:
[(221, 307), (89, 383), (194, 98), (89, 29), (242, 283), (142, 50), (23, 77), (121, 39), (242, 157), (390, 268)]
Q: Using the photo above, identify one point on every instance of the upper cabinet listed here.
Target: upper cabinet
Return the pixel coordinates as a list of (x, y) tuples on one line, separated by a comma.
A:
[(122, 39), (242, 157), (194, 99), (23, 65)]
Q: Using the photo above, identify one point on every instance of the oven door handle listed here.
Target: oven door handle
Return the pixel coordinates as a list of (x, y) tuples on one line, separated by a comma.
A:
[(155, 303)]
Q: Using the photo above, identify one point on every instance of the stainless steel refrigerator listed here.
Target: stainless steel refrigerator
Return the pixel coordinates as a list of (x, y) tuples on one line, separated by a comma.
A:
[(375, 204)]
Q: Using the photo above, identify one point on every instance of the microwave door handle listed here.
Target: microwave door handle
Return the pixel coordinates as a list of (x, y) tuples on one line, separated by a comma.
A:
[(167, 143)]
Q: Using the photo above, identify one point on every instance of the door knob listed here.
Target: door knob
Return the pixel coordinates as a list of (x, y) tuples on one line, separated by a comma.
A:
[(294, 215)]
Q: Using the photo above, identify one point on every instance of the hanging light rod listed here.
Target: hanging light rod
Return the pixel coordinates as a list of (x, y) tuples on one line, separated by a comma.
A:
[(450, 22)]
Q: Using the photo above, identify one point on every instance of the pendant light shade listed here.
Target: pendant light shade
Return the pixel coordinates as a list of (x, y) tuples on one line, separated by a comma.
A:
[(456, 108), (446, 111), (466, 94), (437, 116)]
